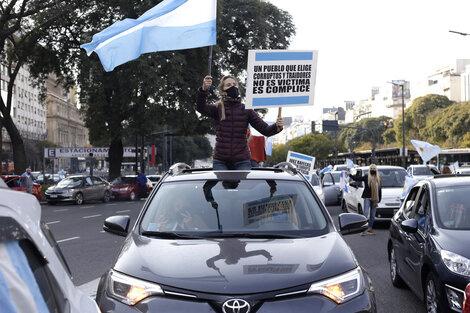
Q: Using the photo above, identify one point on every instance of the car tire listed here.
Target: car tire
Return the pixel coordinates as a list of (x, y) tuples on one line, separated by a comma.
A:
[(79, 198), (132, 195), (106, 197), (431, 294), (344, 208), (397, 281)]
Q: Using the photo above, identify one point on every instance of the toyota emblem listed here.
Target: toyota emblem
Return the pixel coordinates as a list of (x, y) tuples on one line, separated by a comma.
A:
[(236, 306)]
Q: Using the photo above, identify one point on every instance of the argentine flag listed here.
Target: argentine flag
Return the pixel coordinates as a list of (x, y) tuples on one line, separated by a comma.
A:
[(426, 150), (343, 184), (326, 169), (409, 182), (170, 25)]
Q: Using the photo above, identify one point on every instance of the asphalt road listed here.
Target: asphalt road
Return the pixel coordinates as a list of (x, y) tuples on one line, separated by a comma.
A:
[(90, 251)]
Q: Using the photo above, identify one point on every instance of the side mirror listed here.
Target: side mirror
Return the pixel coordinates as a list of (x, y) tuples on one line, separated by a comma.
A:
[(410, 226), (352, 223), (117, 224)]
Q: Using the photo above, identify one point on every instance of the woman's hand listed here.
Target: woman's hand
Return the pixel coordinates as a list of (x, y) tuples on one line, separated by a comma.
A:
[(279, 122), (207, 82)]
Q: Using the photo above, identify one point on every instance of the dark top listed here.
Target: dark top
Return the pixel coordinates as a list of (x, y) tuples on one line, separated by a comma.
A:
[(231, 144), (367, 193)]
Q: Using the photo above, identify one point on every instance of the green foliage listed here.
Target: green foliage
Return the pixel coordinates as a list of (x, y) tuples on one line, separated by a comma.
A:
[(279, 154), (466, 141), (349, 138)]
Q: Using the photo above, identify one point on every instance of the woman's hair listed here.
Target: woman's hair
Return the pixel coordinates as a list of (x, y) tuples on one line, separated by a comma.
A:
[(369, 178), (220, 88), (446, 170)]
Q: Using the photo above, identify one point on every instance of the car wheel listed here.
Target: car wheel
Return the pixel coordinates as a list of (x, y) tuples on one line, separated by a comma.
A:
[(106, 196), (394, 276), (79, 198), (132, 195), (344, 208), (431, 296)]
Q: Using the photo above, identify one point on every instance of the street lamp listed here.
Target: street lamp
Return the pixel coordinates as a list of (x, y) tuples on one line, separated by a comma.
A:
[(402, 84)]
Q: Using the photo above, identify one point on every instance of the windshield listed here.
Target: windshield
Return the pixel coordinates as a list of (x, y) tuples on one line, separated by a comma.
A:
[(453, 208), (392, 177), (423, 171), (314, 180), (246, 206), (70, 182), (336, 177), (123, 180)]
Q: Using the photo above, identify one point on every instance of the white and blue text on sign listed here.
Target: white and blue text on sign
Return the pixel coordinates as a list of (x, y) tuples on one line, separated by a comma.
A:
[(280, 78), (304, 163), (83, 152)]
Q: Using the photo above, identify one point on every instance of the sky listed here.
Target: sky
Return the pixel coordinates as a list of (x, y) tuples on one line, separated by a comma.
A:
[(366, 43)]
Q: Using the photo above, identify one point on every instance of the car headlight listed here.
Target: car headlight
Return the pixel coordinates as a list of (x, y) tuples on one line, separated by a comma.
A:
[(340, 288), (456, 263), (130, 290), (123, 189), (68, 191)]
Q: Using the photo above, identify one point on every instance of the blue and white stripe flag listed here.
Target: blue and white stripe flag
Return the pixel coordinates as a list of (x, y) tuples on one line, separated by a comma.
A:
[(409, 182), (326, 169), (343, 181), (19, 291), (349, 164), (170, 25)]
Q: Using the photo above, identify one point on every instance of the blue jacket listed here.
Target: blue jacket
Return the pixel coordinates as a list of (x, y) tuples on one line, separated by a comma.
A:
[(142, 179)]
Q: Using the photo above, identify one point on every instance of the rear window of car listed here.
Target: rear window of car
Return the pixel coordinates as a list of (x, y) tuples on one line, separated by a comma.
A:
[(247, 206), (422, 171), (453, 208), (392, 177)]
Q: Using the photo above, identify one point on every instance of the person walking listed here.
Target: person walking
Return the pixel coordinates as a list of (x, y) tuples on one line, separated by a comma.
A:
[(232, 118), (142, 179), (372, 194), (27, 180)]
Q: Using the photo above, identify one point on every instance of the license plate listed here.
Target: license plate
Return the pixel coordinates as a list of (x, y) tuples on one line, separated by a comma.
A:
[(53, 196)]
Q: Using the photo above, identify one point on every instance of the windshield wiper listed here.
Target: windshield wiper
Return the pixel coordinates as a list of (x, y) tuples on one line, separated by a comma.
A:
[(217, 234), (168, 235)]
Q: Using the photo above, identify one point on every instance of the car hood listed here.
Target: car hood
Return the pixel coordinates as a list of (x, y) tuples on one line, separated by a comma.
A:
[(235, 266), (57, 189), (456, 241)]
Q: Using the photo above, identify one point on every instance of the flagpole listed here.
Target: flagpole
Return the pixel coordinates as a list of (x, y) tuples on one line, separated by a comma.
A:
[(209, 65)]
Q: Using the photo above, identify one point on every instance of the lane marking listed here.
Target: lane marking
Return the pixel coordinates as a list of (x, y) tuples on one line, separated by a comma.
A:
[(68, 239), (90, 216), (54, 222), (61, 210), (88, 206), (123, 211)]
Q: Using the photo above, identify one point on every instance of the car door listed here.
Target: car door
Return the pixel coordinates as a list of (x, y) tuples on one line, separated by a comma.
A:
[(355, 189), (88, 190), (400, 238), (98, 187), (329, 189)]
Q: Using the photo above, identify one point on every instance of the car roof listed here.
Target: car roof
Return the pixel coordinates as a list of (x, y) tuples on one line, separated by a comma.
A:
[(209, 174), (380, 167), (450, 180), (421, 165)]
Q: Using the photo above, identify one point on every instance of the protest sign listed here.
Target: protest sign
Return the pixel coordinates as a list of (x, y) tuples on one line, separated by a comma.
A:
[(278, 208), (280, 78), (304, 163)]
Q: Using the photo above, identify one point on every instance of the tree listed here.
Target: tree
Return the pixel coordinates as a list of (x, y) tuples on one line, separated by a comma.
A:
[(22, 24)]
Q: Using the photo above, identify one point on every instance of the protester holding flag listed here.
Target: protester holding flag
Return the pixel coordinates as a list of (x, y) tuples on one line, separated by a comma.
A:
[(372, 194), (232, 119)]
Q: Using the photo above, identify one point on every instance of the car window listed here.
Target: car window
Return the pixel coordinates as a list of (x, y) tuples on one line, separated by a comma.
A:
[(70, 182), (123, 180), (422, 171), (336, 177), (265, 206), (421, 210), (24, 273), (328, 179), (89, 181), (97, 181), (314, 180), (409, 202), (453, 208), (392, 177)]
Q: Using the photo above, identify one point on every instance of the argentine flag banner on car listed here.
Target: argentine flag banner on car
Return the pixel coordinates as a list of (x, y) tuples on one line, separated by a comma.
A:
[(326, 169), (426, 150), (409, 182), (343, 184), (170, 25)]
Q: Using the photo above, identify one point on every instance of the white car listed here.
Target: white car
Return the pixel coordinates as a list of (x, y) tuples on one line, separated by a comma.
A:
[(393, 179), (422, 171), (33, 270), (315, 182)]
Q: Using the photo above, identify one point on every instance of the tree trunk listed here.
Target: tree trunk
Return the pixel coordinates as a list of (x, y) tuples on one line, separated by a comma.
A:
[(19, 155), (115, 158)]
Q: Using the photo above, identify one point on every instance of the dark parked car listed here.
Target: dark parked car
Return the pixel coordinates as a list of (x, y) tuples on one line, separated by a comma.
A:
[(332, 193), (78, 189), (127, 187), (14, 182), (235, 242), (429, 245)]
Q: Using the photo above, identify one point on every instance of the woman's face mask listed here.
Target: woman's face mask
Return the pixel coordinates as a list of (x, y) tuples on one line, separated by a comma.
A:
[(373, 172), (232, 92)]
